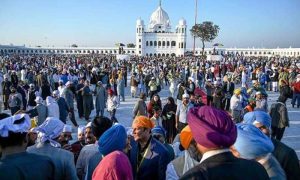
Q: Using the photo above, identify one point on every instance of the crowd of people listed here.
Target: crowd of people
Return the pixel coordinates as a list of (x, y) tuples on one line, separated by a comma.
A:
[(216, 124)]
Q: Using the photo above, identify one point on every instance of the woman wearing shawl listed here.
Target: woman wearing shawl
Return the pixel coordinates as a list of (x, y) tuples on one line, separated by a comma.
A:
[(252, 144), (155, 101), (168, 116)]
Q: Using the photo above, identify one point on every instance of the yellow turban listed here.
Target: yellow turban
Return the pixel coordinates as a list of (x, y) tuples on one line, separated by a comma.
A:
[(142, 122), (237, 91)]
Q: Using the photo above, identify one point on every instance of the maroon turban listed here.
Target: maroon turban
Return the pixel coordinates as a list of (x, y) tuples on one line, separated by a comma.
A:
[(211, 128)]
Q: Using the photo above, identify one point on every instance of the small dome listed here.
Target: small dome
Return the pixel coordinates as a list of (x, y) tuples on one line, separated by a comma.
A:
[(139, 22), (159, 17), (182, 22)]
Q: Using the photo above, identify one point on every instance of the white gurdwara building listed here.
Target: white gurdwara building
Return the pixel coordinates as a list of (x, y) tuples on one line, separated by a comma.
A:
[(157, 39)]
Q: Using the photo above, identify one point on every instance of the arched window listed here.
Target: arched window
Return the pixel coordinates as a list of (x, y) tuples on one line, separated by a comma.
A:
[(173, 43), (159, 43), (182, 45), (147, 43), (164, 43), (155, 43), (168, 43), (151, 43)]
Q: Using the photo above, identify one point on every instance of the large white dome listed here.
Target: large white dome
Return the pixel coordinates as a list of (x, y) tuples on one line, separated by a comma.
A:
[(160, 18)]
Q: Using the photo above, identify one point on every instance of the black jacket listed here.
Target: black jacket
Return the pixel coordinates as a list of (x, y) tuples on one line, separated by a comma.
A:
[(288, 160), (225, 166)]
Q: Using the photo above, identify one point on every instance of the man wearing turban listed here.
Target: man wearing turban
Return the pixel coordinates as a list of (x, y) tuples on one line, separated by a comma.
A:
[(149, 158), (285, 155), (190, 158), (93, 131), (252, 144), (48, 145), (214, 132), (15, 162)]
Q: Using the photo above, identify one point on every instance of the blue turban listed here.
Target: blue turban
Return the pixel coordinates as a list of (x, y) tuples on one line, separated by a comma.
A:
[(159, 130), (258, 116), (251, 143), (113, 139)]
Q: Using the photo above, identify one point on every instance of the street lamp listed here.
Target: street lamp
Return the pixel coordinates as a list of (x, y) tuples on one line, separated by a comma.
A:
[(196, 13)]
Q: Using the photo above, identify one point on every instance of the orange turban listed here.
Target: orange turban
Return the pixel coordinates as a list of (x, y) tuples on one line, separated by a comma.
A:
[(186, 137), (142, 121)]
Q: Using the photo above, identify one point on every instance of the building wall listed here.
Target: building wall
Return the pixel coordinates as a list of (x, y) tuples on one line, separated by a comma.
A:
[(287, 52)]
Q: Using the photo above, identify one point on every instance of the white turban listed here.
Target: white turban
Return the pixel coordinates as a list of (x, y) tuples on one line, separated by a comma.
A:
[(67, 128), (19, 123), (49, 130), (81, 129)]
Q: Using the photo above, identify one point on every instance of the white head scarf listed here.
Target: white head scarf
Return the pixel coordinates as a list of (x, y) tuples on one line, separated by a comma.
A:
[(12, 124), (49, 130)]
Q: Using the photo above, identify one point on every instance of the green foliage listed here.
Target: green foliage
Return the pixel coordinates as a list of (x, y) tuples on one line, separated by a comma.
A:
[(205, 31)]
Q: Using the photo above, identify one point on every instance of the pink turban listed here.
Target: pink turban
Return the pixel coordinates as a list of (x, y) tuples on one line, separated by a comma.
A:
[(211, 128), (115, 165)]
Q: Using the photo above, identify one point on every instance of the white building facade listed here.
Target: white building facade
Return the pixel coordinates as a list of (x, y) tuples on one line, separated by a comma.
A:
[(158, 39)]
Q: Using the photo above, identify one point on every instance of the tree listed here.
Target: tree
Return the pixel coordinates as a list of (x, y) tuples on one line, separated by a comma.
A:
[(74, 45), (130, 45), (206, 31)]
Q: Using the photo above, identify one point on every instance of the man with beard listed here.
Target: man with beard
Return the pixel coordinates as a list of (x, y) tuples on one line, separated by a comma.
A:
[(215, 132), (80, 143), (144, 147), (181, 112), (93, 131), (190, 159)]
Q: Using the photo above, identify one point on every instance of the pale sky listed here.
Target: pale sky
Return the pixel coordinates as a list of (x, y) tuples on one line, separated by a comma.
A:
[(99, 23)]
